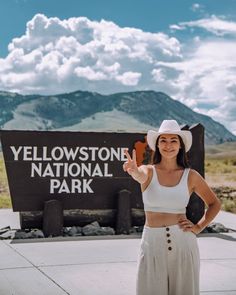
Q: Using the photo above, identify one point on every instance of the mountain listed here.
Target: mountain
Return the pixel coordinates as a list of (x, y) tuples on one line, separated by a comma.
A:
[(89, 111)]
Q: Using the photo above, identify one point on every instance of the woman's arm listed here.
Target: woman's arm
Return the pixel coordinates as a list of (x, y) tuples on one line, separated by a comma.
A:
[(201, 188)]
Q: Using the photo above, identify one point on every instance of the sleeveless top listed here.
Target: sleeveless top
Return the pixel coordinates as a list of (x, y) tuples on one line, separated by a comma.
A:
[(166, 199)]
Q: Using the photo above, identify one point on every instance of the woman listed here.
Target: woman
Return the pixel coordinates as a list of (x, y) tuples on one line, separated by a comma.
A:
[(169, 255)]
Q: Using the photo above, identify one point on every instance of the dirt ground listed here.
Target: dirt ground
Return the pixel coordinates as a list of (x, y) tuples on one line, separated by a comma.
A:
[(221, 180)]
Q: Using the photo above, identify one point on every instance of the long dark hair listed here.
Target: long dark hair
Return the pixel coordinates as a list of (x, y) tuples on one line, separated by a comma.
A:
[(182, 159)]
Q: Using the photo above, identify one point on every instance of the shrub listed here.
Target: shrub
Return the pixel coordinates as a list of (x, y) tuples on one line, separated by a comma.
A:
[(226, 170), (229, 205), (5, 201), (226, 162), (233, 162)]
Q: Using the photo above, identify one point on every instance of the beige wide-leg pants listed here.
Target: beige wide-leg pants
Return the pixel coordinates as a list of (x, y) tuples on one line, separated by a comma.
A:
[(168, 262)]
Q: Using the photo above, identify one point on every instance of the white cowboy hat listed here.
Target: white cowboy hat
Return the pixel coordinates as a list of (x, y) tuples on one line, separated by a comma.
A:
[(169, 127)]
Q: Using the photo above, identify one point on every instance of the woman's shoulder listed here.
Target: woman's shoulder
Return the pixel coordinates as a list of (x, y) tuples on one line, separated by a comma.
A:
[(195, 176), (193, 172)]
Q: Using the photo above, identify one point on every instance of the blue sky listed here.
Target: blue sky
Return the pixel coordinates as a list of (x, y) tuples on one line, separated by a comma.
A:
[(149, 15), (183, 48)]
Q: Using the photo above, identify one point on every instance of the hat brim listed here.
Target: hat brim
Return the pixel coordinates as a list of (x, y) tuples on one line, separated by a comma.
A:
[(184, 134)]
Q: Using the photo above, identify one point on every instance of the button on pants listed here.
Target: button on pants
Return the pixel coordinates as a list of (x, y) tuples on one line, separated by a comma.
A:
[(168, 262)]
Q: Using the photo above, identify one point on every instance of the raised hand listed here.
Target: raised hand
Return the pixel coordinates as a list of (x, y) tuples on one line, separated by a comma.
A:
[(130, 166)]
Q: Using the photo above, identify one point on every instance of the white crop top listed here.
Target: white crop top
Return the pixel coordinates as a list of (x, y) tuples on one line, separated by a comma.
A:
[(168, 199)]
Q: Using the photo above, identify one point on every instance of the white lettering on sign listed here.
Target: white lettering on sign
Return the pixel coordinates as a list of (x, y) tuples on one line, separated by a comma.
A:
[(84, 156), (66, 169), (57, 153), (16, 152), (70, 186), (70, 170)]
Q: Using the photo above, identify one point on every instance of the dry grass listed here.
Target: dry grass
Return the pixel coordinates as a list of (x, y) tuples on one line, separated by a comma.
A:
[(229, 205), (220, 165), (5, 200), (224, 150), (220, 172)]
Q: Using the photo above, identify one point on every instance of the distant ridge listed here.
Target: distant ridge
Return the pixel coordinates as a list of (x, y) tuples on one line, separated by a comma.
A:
[(83, 110)]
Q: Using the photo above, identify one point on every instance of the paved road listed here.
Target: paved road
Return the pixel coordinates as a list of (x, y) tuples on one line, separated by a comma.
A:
[(102, 266)]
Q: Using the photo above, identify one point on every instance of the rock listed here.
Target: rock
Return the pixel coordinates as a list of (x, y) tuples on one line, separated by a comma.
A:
[(94, 229), (107, 231), (8, 235), (216, 227), (233, 194), (4, 229), (37, 233), (73, 231), (33, 234), (66, 231), (139, 229), (20, 234), (224, 195), (79, 231), (133, 230), (91, 229)]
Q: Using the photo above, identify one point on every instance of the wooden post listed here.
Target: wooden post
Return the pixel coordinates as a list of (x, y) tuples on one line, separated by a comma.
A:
[(123, 218), (53, 218)]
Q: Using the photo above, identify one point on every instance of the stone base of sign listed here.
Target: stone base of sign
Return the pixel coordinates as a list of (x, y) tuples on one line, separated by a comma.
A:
[(80, 217), (93, 229)]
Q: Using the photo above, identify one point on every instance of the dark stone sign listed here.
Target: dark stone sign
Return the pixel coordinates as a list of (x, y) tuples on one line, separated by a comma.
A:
[(84, 172), (81, 169)]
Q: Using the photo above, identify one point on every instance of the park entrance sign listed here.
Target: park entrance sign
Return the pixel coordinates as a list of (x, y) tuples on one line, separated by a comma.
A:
[(83, 171)]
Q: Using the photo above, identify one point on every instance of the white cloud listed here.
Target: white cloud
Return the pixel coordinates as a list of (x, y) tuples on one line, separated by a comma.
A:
[(57, 56), (207, 74), (65, 55), (129, 78), (196, 7), (176, 27), (158, 75), (214, 24), (206, 80), (90, 74)]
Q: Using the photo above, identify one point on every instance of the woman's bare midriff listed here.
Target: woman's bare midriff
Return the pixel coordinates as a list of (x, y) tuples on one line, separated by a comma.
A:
[(158, 219)]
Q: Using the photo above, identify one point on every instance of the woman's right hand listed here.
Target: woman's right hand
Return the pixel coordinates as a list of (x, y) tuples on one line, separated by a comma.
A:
[(140, 173), (130, 166)]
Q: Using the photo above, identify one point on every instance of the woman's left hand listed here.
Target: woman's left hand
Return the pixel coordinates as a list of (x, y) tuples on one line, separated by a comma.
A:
[(186, 225)]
